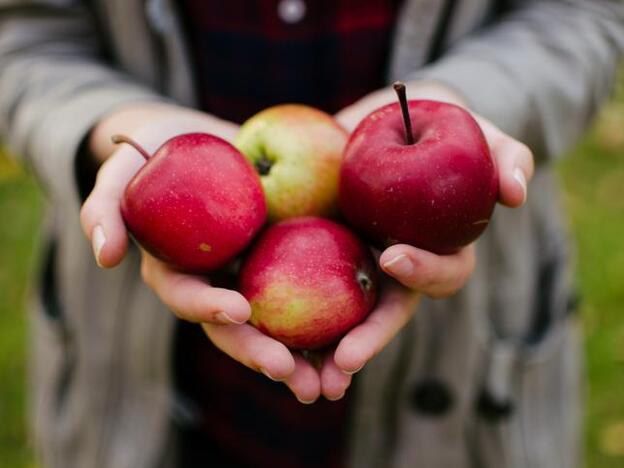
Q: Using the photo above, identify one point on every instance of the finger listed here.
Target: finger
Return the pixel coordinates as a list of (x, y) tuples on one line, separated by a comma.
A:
[(352, 115), (304, 382), (434, 275), (362, 343), (514, 162), (191, 298), (253, 349), (515, 167), (349, 117), (334, 382), (100, 215)]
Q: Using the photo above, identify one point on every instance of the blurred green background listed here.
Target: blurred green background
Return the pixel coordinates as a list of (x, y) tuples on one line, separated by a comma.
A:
[(593, 178)]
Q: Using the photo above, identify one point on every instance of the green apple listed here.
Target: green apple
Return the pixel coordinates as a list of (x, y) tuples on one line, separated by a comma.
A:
[(297, 152)]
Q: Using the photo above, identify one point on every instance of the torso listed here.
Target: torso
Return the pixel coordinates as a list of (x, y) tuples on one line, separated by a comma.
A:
[(249, 56)]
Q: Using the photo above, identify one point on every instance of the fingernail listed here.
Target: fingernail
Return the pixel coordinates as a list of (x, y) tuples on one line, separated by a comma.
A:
[(305, 402), (521, 179), (98, 239), (399, 266), (353, 371), (266, 373), (227, 320), (336, 398)]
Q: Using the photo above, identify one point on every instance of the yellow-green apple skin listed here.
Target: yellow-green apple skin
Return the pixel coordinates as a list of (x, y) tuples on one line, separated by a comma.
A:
[(297, 151), (309, 281)]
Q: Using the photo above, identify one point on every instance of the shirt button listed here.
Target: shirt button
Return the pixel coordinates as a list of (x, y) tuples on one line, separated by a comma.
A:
[(494, 409), (291, 11), (432, 397)]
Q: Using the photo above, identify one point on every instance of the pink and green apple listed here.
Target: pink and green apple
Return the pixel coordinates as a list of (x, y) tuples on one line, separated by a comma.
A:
[(309, 281), (297, 150)]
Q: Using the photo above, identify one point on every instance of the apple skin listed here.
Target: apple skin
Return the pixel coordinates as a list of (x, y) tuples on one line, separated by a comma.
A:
[(297, 150), (309, 281), (437, 194), (195, 204)]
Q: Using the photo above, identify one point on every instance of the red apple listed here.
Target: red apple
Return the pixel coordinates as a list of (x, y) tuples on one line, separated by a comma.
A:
[(195, 204), (309, 281), (437, 193)]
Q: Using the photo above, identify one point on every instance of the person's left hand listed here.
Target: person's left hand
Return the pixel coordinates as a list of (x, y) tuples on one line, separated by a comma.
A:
[(433, 275), (420, 271)]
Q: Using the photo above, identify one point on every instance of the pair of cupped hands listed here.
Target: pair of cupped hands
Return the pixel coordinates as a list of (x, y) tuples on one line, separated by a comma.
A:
[(223, 313)]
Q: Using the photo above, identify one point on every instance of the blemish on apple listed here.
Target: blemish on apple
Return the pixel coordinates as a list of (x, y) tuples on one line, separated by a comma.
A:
[(205, 247), (177, 201)]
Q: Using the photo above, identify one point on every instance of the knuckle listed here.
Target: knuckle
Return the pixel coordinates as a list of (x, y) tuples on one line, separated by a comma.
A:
[(247, 350), (451, 288), (196, 305), (198, 310), (179, 314), (518, 147), (441, 293), (427, 281), (146, 275), (525, 150), (102, 173), (522, 152), (86, 215), (448, 290), (469, 266), (273, 348), (209, 330)]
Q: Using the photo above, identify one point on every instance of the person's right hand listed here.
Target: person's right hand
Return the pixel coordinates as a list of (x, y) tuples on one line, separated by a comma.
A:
[(221, 312), (150, 124)]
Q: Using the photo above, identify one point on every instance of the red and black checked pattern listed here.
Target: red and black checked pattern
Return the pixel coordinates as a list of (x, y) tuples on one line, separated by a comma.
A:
[(248, 59), (247, 420)]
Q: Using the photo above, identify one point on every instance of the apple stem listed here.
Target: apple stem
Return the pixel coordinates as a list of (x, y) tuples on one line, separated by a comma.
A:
[(118, 139), (399, 87)]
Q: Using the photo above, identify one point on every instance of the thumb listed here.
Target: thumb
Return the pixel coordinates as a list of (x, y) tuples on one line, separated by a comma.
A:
[(437, 276), (100, 215), (514, 162)]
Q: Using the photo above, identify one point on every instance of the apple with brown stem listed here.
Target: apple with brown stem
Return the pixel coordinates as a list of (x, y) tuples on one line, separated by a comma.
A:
[(297, 151), (420, 173), (195, 204)]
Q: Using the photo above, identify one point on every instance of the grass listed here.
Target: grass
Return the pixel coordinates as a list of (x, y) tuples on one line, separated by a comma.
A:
[(20, 214), (593, 177)]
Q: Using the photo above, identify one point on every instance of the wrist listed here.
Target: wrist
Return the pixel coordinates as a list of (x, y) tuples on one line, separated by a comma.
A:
[(154, 123), (126, 119), (434, 90), (417, 89)]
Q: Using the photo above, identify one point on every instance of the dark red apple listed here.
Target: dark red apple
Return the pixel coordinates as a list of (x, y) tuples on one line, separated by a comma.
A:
[(309, 281), (195, 204), (437, 193)]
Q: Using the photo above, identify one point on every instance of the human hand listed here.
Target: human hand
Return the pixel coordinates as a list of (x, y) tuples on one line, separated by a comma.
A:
[(420, 271), (190, 297), (514, 162), (221, 312), (150, 124)]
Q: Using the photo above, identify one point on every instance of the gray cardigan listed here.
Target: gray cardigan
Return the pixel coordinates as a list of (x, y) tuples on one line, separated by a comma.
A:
[(488, 378)]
